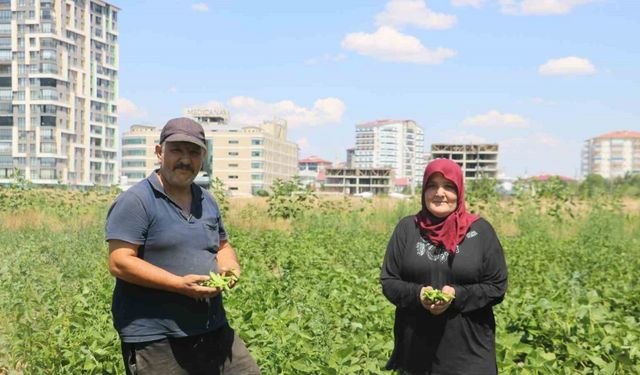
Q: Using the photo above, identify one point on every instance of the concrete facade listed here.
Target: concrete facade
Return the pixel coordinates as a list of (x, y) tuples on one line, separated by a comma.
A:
[(612, 155), (138, 153), (351, 181), (476, 161), (246, 159), (58, 91), (395, 144), (311, 170)]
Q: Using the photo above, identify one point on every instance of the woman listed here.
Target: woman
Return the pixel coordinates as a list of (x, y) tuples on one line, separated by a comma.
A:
[(444, 247)]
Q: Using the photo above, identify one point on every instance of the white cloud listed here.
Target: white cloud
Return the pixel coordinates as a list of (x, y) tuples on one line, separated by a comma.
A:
[(567, 66), (326, 58), (414, 13), (541, 7), (200, 7), (130, 111), (495, 119), (473, 3), (388, 44), (250, 111), (173, 89)]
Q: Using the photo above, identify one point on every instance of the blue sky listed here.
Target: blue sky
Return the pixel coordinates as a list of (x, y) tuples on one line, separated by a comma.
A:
[(536, 76)]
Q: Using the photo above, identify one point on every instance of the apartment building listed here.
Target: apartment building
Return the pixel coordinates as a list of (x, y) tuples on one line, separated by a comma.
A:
[(476, 160), (138, 153), (612, 154), (58, 91), (246, 159), (312, 169), (251, 158), (395, 144)]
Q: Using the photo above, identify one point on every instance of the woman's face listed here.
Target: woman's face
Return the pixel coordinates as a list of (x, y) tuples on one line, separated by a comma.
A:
[(440, 196)]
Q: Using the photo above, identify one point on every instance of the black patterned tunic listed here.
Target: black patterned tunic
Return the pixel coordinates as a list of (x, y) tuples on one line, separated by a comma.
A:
[(462, 339)]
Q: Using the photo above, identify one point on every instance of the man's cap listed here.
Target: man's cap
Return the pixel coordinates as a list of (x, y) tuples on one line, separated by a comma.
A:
[(183, 129)]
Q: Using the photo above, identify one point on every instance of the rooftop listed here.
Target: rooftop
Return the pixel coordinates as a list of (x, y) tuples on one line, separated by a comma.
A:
[(620, 134), (375, 123), (314, 159)]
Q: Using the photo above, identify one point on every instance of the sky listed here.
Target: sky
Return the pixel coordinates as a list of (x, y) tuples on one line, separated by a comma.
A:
[(538, 77)]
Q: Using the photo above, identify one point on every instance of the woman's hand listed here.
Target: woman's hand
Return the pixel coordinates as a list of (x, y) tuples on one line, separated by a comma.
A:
[(436, 307)]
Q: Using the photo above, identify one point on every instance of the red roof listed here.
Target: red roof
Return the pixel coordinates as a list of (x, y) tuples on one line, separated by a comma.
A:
[(402, 181), (380, 122), (314, 159), (545, 177), (620, 134)]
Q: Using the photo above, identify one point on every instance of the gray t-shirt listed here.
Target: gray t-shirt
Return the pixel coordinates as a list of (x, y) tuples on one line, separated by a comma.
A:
[(144, 215)]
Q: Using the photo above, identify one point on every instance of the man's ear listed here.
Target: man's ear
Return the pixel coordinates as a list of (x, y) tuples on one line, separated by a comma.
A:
[(159, 151)]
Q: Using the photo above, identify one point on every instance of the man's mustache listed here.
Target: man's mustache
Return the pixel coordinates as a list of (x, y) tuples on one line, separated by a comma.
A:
[(183, 166)]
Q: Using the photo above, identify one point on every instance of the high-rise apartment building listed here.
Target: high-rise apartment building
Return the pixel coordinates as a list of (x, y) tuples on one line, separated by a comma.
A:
[(476, 160), (612, 155), (58, 91), (395, 144), (246, 159)]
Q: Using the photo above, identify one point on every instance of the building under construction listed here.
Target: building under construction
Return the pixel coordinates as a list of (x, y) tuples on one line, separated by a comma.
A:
[(358, 180), (476, 161)]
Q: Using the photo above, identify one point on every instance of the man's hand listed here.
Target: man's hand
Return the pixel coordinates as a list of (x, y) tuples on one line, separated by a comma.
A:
[(189, 286), (227, 271), (437, 307), (228, 261)]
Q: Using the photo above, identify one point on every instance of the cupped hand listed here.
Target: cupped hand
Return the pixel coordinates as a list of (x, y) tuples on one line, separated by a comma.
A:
[(436, 307), (189, 285)]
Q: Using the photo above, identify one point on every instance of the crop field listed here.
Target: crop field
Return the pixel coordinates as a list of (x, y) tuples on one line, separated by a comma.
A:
[(309, 300)]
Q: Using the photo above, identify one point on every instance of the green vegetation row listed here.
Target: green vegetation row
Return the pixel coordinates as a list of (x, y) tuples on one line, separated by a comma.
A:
[(309, 301)]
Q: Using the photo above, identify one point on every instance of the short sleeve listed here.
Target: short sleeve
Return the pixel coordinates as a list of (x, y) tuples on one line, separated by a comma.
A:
[(127, 220), (221, 231)]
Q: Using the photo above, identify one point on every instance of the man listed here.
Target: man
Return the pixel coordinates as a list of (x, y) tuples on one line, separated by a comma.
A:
[(165, 234)]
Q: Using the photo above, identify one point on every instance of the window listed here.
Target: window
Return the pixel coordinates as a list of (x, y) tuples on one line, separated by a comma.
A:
[(48, 147), (233, 165), (256, 141), (256, 165), (5, 94), (48, 174), (133, 152), (47, 162), (256, 176), (133, 163), (6, 120), (233, 142), (134, 174), (233, 153), (256, 153), (233, 177), (134, 141)]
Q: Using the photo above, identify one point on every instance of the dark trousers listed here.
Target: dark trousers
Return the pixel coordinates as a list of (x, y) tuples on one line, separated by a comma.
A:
[(220, 352)]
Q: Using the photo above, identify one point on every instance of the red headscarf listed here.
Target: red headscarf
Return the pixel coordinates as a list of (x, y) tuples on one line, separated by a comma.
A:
[(450, 231)]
